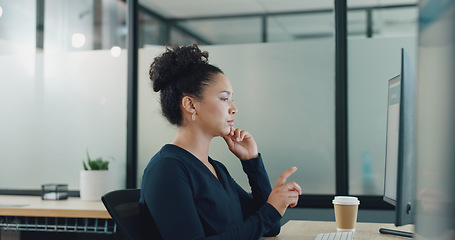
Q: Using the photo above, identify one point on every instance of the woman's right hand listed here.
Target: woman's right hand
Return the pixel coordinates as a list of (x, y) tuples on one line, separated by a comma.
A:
[(284, 194)]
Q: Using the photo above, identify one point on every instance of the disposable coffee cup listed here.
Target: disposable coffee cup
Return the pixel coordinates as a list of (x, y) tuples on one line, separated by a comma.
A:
[(346, 209)]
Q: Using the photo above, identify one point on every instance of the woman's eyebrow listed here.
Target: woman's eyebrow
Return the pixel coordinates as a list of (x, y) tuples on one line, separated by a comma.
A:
[(227, 92)]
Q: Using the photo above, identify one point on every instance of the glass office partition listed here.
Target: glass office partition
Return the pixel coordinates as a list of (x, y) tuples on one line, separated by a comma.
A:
[(284, 90), (20, 38), (151, 30), (226, 31), (63, 86), (297, 27), (181, 38), (372, 61), (62, 90), (285, 96), (396, 22)]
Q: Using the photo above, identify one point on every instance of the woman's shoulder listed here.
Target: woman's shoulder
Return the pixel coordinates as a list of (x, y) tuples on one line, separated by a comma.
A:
[(172, 151), (169, 155), (167, 162)]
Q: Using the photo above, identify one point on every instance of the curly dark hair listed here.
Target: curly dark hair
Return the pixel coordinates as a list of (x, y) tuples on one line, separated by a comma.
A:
[(178, 72)]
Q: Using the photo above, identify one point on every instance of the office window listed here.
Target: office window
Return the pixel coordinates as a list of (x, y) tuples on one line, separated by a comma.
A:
[(357, 22), (302, 26), (225, 31), (228, 22), (181, 38), (62, 90), (394, 22), (372, 61), (151, 30), (22, 37), (290, 114), (285, 100)]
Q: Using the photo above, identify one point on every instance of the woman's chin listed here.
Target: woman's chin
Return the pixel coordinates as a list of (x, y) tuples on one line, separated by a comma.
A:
[(225, 132)]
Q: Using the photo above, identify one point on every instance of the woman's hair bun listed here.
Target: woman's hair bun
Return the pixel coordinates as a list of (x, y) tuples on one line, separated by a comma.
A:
[(175, 62)]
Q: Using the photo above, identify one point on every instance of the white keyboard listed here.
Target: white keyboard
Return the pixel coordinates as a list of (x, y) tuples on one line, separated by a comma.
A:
[(335, 236)]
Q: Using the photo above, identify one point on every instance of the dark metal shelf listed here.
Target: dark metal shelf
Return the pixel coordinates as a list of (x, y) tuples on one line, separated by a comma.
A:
[(53, 224)]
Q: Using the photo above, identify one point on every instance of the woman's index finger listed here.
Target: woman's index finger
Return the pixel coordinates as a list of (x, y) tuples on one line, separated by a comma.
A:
[(284, 176)]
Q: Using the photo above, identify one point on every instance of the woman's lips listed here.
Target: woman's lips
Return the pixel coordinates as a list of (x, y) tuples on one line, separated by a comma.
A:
[(231, 122)]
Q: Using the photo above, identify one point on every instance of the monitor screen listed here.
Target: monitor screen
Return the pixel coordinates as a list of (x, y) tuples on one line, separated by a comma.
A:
[(399, 180), (393, 120)]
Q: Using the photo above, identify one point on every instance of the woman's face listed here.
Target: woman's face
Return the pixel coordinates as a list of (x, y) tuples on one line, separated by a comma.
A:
[(215, 111)]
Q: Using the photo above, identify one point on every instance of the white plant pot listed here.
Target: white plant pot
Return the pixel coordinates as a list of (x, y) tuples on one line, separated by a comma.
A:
[(94, 184)]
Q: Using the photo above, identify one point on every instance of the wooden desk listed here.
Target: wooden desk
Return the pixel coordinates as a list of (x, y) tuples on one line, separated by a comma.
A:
[(33, 206), (31, 213), (301, 230)]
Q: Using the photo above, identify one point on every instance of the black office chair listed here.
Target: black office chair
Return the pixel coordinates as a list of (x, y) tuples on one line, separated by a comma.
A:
[(123, 207)]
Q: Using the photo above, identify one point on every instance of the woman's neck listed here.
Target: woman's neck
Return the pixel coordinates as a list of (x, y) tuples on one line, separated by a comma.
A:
[(194, 142)]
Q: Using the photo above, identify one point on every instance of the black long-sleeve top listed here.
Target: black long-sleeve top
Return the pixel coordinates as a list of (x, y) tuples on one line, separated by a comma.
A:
[(182, 199)]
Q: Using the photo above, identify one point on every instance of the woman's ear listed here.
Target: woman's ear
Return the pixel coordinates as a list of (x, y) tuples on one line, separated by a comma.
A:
[(188, 104)]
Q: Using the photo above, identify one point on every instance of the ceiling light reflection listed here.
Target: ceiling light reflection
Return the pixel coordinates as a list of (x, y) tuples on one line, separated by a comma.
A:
[(78, 40), (116, 51)]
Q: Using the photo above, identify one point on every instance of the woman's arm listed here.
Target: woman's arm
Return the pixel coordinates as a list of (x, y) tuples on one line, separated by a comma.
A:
[(258, 180), (248, 207), (260, 188), (241, 143)]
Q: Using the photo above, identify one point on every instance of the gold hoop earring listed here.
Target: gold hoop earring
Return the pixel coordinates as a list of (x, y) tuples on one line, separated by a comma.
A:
[(193, 116)]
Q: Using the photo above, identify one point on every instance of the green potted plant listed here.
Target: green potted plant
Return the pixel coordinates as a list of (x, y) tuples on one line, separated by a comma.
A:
[(95, 179), (97, 164)]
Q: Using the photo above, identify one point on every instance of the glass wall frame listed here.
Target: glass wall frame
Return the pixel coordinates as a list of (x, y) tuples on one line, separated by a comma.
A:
[(363, 23), (166, 29)]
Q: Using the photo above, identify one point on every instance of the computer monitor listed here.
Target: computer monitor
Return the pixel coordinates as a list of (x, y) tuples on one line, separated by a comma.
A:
[(399, 180)]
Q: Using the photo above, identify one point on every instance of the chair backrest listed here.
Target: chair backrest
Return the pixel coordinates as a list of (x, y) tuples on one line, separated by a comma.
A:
[(123, 206)]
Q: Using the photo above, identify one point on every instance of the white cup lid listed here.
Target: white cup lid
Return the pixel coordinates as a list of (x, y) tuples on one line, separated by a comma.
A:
[(346, 200)]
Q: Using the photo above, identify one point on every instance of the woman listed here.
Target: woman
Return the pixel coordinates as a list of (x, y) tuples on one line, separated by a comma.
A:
[(186, 194)]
